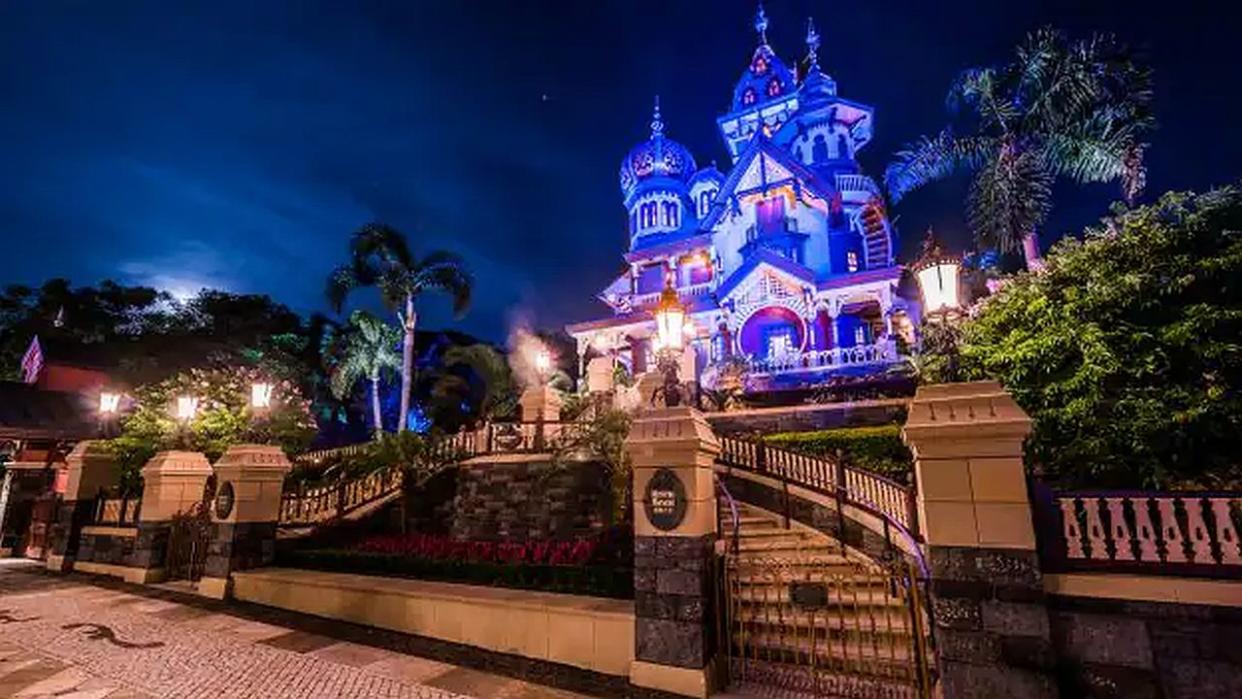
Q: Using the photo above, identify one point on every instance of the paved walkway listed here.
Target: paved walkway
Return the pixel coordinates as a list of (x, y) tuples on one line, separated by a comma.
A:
[(70, 639)]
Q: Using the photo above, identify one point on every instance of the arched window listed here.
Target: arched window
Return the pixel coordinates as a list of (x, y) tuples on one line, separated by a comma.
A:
[(843, 146), (705, 202), (819, 149), (851, 261), (798, 154), (774, 87), (760, 66), (670, 214), (748, 97), (647, 214)]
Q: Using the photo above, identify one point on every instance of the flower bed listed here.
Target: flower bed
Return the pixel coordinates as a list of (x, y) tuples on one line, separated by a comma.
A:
[(600, 566)]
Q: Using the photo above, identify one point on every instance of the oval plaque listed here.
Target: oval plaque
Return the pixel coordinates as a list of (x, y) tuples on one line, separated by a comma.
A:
[(224, 500), (508, 436), (665, 500)]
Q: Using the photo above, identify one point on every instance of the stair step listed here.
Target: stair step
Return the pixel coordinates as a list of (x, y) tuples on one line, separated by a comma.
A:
[(885, 660), (753, 678), (830, 622)]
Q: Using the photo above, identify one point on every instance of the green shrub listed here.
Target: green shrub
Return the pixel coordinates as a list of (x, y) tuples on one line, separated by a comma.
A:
[(877, 449)]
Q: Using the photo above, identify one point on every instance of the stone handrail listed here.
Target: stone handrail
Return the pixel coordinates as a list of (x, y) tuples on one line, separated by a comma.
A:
[(1149, 532), (874, 493)]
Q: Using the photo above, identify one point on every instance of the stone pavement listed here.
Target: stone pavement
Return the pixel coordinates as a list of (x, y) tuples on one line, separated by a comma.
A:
[(68, 638)]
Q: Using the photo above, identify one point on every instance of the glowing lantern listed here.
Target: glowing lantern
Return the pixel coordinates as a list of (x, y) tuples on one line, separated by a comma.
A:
[(937, 273), (543, 362), (109, 403), (187, 406), (670, 317), (261, 396)]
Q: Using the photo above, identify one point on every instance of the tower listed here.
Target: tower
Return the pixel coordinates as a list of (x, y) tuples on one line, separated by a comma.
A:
[(655, 178)]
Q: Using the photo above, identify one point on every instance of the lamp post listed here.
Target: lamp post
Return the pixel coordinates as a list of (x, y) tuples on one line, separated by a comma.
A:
[(938, 273), (670, 318), (260, 396), (187, 407), (109, 406)]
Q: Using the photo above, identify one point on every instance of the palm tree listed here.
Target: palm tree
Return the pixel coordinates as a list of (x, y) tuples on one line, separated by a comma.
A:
[(368, 351), (380, 257), (1073, 109)]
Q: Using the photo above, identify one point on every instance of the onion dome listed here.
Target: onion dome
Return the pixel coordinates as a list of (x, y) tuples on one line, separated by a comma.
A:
[(659, 157), (767, 77), (708, 174)]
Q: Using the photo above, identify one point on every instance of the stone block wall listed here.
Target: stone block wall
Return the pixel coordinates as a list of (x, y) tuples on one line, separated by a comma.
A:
[(524, 499), (239, 546), (109, 549), (144, 546), (673, 600), (1146, 650)]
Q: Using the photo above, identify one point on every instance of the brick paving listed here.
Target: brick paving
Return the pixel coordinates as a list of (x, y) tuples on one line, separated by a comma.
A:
[(70, 639)]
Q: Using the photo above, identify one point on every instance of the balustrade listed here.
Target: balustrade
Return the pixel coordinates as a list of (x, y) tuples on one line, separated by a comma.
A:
[(1153, 532)]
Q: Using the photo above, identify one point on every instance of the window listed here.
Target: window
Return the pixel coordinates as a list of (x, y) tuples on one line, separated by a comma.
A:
[(780, 343), (670, 214), (843, 146), (774, 87), (819, 149), (647, 213), (760, 66), (860, 335), (748, 97), (851, 261), (633, 222), (705, 201)]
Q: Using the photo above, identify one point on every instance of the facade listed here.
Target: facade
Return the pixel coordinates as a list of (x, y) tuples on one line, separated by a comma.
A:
[(786, 261)]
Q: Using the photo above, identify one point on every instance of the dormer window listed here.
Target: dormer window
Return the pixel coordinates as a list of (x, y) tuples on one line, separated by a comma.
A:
[(774, 87), (851, 261), (760, 66), (748, 97)]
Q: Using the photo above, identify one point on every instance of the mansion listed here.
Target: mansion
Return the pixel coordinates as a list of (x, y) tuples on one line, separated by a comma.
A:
[(786, 261)]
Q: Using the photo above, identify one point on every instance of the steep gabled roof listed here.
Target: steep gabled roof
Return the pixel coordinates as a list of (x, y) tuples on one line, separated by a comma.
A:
[(761, 257), (763, 147)]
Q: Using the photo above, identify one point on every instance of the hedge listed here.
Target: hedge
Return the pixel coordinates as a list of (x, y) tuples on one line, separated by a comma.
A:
[(877, 449), (591, 580)]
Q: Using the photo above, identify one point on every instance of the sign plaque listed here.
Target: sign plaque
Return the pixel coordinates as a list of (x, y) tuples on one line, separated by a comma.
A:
[(665, 501)]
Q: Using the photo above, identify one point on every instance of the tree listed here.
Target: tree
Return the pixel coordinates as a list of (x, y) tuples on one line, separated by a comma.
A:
[(1127, 350), (1072, 109), (368, 351), (380, 257)]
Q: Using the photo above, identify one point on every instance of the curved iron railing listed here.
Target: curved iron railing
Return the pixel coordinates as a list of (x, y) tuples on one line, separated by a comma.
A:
[(872, 492)]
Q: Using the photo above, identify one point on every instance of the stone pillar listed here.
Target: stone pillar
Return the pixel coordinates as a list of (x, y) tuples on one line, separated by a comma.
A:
[(245, 512), (541, 403), (90, 469), (599, 373), (673, 451), (990, 622), (173, 482)]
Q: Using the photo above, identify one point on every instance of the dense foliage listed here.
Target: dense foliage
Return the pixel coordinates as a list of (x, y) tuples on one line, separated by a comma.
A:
[(224, 417), (877, 449), (1127, 349)]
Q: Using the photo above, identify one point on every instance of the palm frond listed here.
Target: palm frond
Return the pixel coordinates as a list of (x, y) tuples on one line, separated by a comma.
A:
[(340, 282), (1010, 196), (383, 242), (447, 272), (368, 349), (979, 90), (930, 159)]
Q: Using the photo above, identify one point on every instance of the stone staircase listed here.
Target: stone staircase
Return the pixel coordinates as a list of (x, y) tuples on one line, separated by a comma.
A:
[(810, 616)]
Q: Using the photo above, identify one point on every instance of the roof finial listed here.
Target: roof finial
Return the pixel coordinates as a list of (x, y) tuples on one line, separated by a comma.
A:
[(657, 124), (812, 44), (761, 25)]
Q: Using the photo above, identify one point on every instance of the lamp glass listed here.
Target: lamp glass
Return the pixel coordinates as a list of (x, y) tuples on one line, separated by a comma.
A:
[(939, 284), (261, 395), (109, 402), (187, 406)]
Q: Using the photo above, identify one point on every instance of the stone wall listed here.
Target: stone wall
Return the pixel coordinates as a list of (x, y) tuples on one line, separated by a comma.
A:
[(673, 600), (519, 498), (239, 546), (144, 546), (1146, 650)]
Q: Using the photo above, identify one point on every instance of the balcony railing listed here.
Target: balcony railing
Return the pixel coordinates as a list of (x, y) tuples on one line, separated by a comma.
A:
[(689, 291), (794, 362), (856, 183), (1141, 532)]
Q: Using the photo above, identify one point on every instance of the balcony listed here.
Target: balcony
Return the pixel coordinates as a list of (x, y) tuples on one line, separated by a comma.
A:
[(685, 293), (856, 188), (878, 354)]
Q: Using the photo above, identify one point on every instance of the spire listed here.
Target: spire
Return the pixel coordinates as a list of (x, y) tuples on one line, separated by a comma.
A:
[(812, 46), (761, 25), (657, 124)]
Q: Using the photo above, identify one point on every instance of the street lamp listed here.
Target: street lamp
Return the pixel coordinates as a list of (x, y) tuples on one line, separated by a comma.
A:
[(543, 362), (261, 395), (187, 406), (109, 403), (938, 273), (670, 318)]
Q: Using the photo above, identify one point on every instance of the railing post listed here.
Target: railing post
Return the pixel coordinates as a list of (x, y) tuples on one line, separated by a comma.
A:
[(839, 491), (761, 456), (340, 497)]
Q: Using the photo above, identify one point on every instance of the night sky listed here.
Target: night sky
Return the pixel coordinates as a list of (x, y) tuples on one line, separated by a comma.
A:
[(238, 144)]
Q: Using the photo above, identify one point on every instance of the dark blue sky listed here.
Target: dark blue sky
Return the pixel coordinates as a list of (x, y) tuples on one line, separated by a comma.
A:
[(237, 144)]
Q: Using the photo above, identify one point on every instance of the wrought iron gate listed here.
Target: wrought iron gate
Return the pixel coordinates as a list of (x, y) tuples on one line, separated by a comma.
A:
[(816, 624), (188, 538)]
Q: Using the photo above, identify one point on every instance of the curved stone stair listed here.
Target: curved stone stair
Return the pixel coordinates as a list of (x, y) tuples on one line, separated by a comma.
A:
[(859, 640)]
